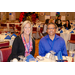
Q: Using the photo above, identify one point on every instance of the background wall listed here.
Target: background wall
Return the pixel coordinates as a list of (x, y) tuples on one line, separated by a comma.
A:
[(68, 15)]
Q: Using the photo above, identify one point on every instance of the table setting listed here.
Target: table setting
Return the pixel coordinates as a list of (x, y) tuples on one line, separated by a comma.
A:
[(7, 37), (49, 57), (66, 35)]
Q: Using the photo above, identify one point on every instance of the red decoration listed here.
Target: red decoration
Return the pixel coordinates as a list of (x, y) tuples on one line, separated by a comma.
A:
[(21, 16), (33, 15)]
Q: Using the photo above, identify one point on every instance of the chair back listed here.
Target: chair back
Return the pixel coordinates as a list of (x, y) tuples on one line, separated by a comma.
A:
[(41, 29), (72, 37), (4, 44), (4, 25), (34, 29), (5, 53), (58, 34), (18, 28)]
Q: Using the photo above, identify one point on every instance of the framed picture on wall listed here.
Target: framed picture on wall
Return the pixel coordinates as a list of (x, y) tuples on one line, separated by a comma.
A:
[(12, 16), (42, 13), (3, 15)]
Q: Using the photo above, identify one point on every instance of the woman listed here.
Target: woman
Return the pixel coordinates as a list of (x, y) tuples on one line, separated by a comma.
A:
[(67, 25), (45, 27), (23, 44)]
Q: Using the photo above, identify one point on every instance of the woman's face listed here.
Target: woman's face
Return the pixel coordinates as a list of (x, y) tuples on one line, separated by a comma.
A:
[(66, 23), (27, 29)]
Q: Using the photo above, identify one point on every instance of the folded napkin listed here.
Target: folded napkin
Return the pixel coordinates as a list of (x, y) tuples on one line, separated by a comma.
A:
[(59, 55), (29, 57), (61, 31), (67, 28), (8, 37), (39, 26), (8, 32), (72, 32), (74, 29), (13, 35), (5, 34)]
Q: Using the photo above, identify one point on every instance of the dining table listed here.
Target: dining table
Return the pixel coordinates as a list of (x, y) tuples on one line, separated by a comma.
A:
[(3, 35), (66, 35)]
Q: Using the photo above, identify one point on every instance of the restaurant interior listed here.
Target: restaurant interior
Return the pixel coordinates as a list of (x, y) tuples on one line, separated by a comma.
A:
[(10, 27)]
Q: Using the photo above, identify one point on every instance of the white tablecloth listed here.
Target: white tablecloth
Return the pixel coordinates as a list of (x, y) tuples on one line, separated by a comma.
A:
[(66, 35), (69, 58), (2, 36)]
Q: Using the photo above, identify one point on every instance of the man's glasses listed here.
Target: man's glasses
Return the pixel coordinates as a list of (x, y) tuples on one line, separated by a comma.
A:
[(51, 28)]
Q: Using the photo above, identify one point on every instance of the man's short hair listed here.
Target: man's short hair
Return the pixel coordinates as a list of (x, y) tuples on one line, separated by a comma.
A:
[(53, 24)]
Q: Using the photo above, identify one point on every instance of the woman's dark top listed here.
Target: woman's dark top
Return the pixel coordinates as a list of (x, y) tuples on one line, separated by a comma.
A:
[(19, 49), (67, 27)]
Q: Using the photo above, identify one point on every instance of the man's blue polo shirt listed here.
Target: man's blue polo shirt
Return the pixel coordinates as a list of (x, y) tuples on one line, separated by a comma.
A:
[(46, 45)]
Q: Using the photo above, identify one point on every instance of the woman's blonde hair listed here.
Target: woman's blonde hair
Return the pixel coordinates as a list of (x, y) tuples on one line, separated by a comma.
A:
[(22, 27)]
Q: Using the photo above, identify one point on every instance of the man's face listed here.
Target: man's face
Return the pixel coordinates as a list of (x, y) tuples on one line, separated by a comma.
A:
[(59, 17), (51, 29)]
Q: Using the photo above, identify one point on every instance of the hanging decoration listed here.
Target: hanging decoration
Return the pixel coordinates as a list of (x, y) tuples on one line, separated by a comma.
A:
[(57, 13), (31, 16)]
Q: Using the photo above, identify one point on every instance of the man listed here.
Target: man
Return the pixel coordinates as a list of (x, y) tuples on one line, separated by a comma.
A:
[(52, 42), (58, 21)]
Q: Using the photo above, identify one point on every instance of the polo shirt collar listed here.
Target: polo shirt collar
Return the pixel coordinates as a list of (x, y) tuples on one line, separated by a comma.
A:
[(56, 37)]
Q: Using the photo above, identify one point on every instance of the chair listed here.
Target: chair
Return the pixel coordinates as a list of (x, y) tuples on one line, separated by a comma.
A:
[(4, 44), (11, 26), (34, 30), (40, 32), (58, 34), (41, 29), (3, 26), (18, 29), (72, 40), (4, 54)]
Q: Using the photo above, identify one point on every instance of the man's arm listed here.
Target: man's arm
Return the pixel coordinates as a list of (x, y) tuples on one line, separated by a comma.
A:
[(41, 49)]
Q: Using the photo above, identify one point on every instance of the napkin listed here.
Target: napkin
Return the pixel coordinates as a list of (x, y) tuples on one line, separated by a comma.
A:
[(5, 34), (8, 32), (29, 57), (39, 26), (67, 28), (59, 55), (72, 32), (13, 35), (8, 37), (61, 31)]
